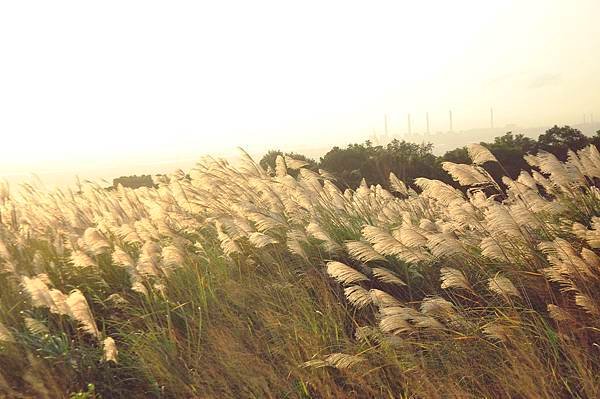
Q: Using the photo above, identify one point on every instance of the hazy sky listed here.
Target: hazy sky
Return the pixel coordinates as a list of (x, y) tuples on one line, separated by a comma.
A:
[(83, 82)]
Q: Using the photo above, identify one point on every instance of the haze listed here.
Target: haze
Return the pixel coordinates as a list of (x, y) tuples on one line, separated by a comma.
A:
[(127, 86)]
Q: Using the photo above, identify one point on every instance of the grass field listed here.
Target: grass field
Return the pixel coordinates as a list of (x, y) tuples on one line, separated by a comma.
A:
[(236, 282)]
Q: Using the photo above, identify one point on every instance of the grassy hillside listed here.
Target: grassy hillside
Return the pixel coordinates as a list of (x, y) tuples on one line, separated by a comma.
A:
[(230, 282)]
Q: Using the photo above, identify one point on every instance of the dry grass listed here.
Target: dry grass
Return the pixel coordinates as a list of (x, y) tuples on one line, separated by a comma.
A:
[(232, 281)]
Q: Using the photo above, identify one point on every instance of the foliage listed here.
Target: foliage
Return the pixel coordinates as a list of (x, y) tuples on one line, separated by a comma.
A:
[(374, 163), (559, 140), (268, 160), (233, 282), (134, 181)]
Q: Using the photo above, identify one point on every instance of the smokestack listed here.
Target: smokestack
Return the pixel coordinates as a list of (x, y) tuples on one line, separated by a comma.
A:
[(592, 118), (386, 125), (409, 127), (450, 120), (584, 121), (427, 119), (492, 118)]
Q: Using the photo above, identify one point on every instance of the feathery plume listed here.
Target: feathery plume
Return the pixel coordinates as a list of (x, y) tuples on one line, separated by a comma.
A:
[(336, 360), (479, 154), (344, 273), (81, 259), (453, 278), (587, 304), (317, 232), (80, 311), (387, 276), (436, 306), (36, 326), (502, 286), (498, 331), (559, 314), (383, 299), (466, 175), (38, 292), (362, 251), (398, 185), (343, 360), (260, 240), (172, 257), (5, 334), (280, 167), (294, 164), (110, 350), (95, 242), (357, 296)]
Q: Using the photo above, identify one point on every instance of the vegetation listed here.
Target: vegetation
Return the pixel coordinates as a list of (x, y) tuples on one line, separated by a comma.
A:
[(134, 181), (237, 282), (409, 160)]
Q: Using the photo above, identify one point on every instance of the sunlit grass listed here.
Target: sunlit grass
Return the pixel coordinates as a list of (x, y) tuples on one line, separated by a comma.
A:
[(232, 281)]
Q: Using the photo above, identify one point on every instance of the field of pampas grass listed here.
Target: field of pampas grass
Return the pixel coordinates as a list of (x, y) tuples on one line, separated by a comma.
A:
[(231, 281)]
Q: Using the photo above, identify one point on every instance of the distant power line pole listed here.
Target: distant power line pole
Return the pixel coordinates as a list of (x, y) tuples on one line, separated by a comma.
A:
[(385, 120)]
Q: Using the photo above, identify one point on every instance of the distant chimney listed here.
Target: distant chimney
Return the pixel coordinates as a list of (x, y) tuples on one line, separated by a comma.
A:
[(450, 120), (584, 121), (409, 126), (427, 120), (492, 118), (385, 120)]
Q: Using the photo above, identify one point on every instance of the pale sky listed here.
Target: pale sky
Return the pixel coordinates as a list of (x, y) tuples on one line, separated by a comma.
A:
[(86, 83)]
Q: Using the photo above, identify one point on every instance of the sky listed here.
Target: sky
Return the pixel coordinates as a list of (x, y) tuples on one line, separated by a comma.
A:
[(127, 85)]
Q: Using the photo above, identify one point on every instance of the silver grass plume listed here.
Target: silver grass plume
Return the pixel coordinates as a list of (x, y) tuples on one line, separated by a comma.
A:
[(499, 331), (480, 155), (326, 175), (5, 334), (172, 257), (260, 240), (357, 296), (436, 306), (387, 276), (466, 175), (398, 185), (587, 304), (344, 273), (317, 232), (122, 258), (110, 351), (280, 167), (363, 251), (502, 286), (294, 164), (81, 259), (336, 360), (80, 311), (38, 292), (383, 299), (453, 278), (36, 326), (383, 242), (559, 314), (94, 242), (343, 360), (59, 302)]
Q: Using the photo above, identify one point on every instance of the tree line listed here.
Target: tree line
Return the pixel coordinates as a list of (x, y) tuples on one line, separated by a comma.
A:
[(410, 160)]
